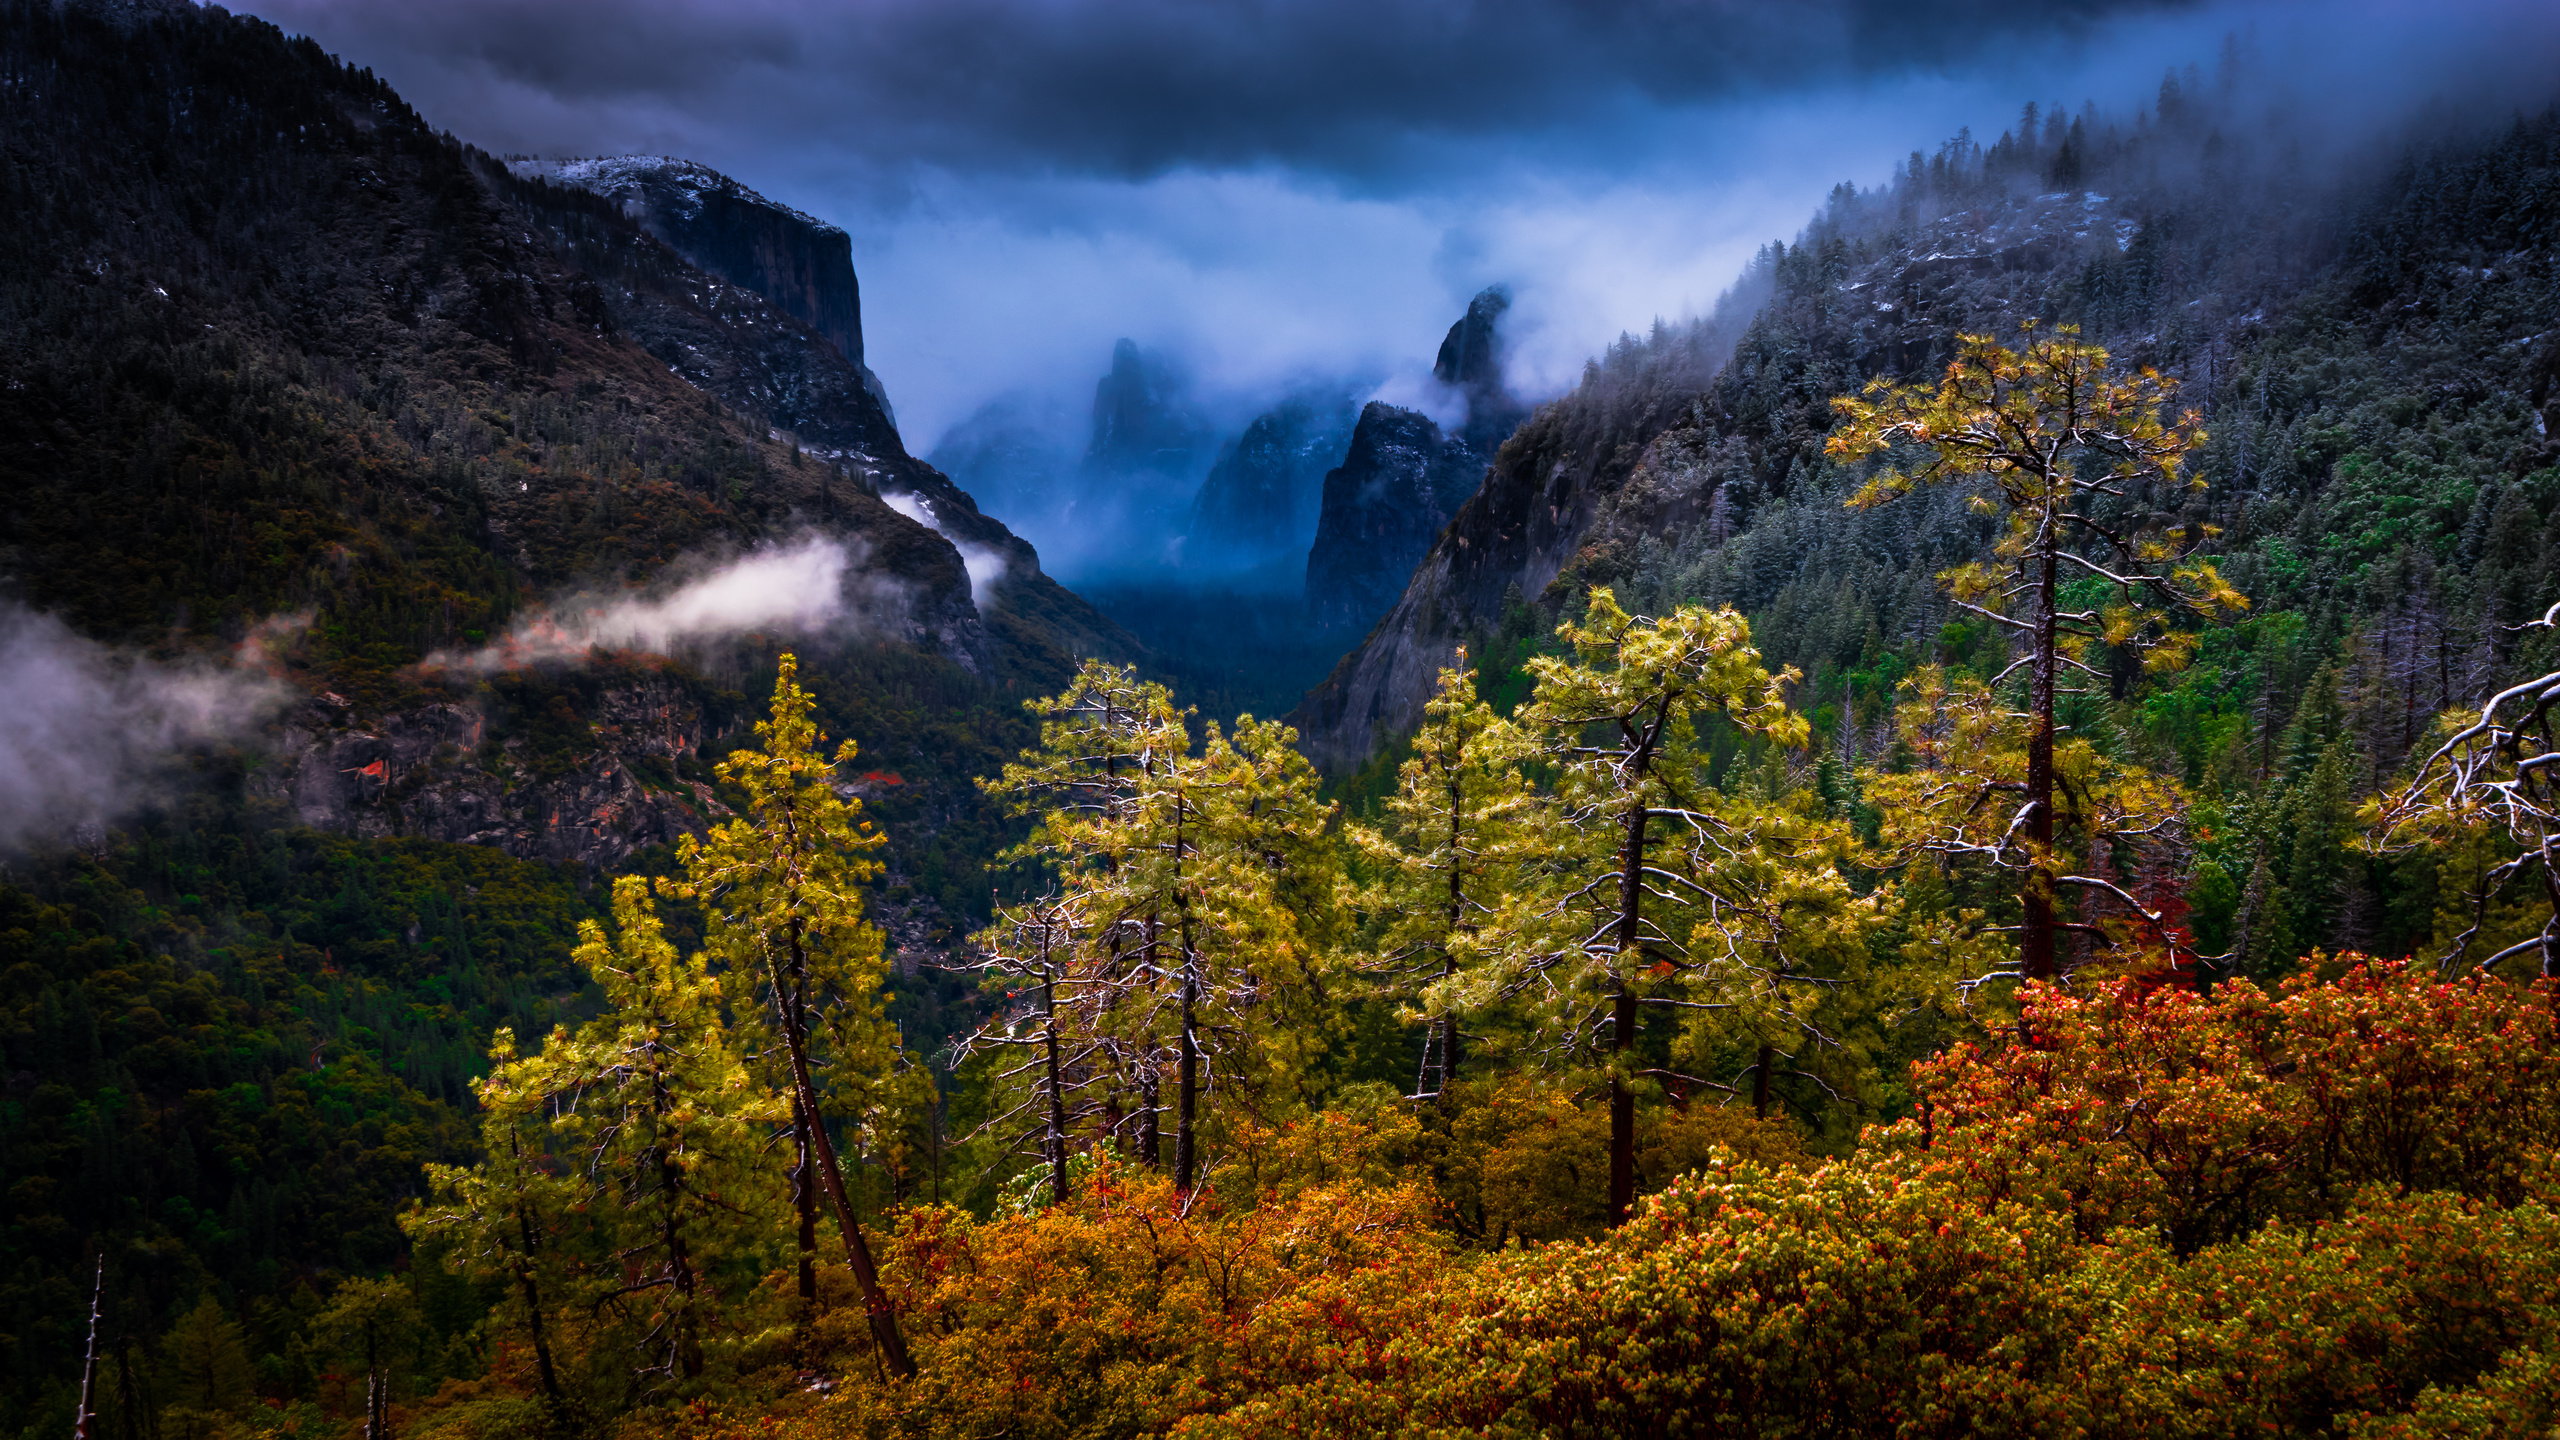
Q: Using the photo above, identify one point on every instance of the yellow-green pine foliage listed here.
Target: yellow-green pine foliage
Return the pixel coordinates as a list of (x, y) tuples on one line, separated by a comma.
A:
[(663, 1124), (1673, 895), (1647, 838), (1958, 801), (1189, 874), (782, 884), (2080, 465), (1456, 870), (781, 889), (2096, 561), (502, 1220)]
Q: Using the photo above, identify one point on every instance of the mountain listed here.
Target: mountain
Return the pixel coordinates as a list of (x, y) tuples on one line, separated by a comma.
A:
[(1383, 506), (1471, 362), (1260, 505), (1404, 478), (802, 264), (1142, 423), (2408, 491), (276, 348)]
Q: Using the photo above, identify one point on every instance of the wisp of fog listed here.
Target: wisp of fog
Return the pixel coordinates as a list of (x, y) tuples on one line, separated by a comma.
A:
[(793, 589), (91, 729)]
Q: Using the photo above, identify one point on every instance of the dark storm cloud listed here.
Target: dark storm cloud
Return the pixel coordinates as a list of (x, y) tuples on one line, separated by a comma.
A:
[(1275, 190), (1140, 87)]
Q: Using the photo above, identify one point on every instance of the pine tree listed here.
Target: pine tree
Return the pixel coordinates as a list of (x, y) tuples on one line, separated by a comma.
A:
[(781, 885), (1456, 862), (1190, 874), (1649, 905), (659, 1116), (2496, 775), (2097, 549), (373, 1320), (1034, 954), (501, 1219)]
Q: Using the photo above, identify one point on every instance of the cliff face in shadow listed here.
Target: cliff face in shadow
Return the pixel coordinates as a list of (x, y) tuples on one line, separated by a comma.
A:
[(803, 265), (1400, 483), (287, 350)]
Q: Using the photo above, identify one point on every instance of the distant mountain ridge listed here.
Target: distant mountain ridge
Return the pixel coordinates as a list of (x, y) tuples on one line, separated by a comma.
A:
[(1689, 463)]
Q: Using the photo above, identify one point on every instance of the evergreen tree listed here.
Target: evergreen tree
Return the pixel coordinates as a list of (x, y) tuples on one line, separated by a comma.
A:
[(502, 1219), (2097, 549), (1459, 859), (2495, 777), (373, 1320), (1648, 907), (659, 1117), (781, 884), (1189, 874)]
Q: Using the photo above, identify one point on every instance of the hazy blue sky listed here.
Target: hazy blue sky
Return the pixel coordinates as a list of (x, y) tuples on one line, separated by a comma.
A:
[(1270, 187)]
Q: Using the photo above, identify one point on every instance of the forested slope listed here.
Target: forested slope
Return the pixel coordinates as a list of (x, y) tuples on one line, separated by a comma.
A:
[(2369, 332), (278, 360)]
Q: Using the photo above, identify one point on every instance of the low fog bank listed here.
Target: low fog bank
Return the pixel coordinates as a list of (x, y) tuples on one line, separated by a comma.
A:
[(94, 732), (810, 587)]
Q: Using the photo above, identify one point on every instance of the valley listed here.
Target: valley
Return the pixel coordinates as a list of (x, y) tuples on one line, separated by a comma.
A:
[(1951, 842)]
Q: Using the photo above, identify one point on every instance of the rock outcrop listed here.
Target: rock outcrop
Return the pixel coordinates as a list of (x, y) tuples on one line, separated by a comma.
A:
[(1471, 363), (800, 263), (1402, 480), (1141, 425), (443, 772), (445, 393), (1262, 501), (1667, 437)]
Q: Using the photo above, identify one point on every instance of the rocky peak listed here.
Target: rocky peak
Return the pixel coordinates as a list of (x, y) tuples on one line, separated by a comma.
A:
[(1139, 420), (1470, 362), (1261, 500), (802, 264), (1397, 487)]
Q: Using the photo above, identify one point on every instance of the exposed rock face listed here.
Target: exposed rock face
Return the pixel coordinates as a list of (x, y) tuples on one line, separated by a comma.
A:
[(1140, 424), (739, 346), (1263, 498), (494, 390), (1470, 362), (801, 264), (1401, 482), (440, 772)]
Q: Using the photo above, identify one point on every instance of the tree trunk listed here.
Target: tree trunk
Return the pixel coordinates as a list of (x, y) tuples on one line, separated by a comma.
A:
[(1622, 1037), (671, 1225), (376, 1410), (1057, 1146), (804, 1202), (533, 1312), (1448, 951), (84, 1425), (128, 1400), (1185, 1159), (2036, 929), (804, 1180), (1150, 1112), (1760, 1082), (866, 1274)]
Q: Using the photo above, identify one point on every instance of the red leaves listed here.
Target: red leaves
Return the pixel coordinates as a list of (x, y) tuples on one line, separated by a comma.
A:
[(2202, 1117)]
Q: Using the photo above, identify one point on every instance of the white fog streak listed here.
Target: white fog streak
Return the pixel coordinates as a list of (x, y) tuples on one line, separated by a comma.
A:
[(797, 589), (85, 731), (985, 566)]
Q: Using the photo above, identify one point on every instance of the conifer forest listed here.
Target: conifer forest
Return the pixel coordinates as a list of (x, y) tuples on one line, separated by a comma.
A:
[(1961, 840)]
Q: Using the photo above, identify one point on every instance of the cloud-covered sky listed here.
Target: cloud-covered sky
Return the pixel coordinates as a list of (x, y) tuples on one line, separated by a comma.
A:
[(1271, 187)]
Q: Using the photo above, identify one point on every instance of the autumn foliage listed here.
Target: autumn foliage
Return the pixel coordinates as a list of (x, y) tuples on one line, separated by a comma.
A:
[(2325, 1211)]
